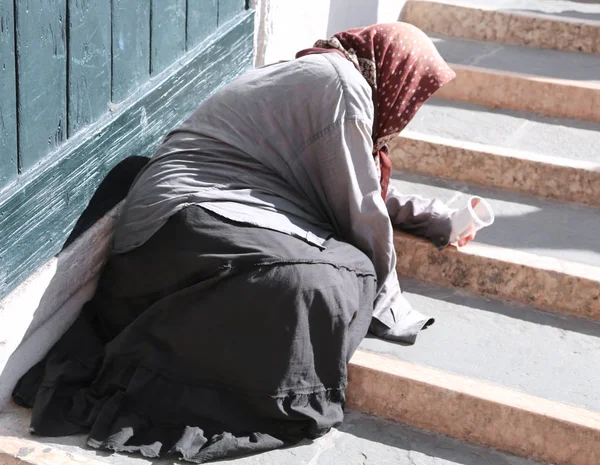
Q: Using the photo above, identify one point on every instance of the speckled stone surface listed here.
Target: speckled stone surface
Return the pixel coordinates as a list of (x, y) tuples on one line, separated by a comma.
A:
[(473, 410), (514, 170), (521, 92), (360, 440), (505, 26), (543, 282)]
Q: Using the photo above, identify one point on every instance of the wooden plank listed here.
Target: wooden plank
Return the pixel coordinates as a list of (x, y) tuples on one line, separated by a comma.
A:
[(43, 209), (167, 41), (8, 101), (89, 62), (130, 47), (202, 16), (42, 78), (229, 9)]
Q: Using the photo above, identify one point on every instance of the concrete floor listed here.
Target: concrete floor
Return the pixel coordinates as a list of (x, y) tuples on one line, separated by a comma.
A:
[(547, 355), (360, 440), (531, 224), (579, 140)]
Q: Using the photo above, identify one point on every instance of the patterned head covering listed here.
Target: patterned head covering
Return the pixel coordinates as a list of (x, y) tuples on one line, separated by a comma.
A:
[(403, 68)]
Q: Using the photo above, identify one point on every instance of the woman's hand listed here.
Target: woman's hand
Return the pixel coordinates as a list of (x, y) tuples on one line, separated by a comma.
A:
[(469, 237)]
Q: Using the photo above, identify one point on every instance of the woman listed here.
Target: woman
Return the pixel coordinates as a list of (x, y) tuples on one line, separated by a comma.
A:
[(252, 255)]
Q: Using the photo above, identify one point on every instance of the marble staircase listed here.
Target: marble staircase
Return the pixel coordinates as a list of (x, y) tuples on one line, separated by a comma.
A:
[(509, 373)]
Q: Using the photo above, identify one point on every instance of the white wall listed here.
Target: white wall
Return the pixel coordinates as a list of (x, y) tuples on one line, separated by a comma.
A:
[(389, 10), (285, 26)]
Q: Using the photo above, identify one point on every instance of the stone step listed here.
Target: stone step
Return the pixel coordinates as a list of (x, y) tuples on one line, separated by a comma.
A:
[(501, 168), (523, 223), (473, 410), (556, 158), (521, 92), (505, 376), (543, 282), (527, 256), (539, 353), (557, 137), (549, 82), (560, 25), (518, 59), (361, 439)]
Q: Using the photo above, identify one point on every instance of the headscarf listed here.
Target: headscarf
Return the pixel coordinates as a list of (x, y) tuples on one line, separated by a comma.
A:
[(403, 68)]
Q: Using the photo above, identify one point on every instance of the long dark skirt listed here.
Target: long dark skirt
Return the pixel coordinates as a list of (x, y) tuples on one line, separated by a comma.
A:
[(213, 339)]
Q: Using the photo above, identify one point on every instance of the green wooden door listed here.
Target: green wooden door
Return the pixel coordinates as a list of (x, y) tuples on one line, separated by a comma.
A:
[(85, 84)]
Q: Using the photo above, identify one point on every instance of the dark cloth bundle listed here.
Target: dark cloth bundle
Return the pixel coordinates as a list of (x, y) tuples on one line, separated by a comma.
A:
[(213, 339)]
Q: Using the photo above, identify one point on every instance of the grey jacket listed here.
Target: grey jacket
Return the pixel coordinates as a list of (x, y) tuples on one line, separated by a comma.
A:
[(288, 147)]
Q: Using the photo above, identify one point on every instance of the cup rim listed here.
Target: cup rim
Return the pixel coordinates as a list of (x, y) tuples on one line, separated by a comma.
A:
[(475, 216)]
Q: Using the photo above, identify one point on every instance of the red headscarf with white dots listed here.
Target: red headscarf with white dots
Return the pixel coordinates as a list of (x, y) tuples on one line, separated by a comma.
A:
[(403, 68)]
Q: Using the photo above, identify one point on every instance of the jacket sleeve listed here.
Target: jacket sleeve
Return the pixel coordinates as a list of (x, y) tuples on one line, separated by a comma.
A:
[(339, 164), (344, 177), (420, 216)]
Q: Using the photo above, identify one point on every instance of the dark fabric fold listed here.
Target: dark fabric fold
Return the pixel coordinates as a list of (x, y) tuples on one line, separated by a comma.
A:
[(212, 340)]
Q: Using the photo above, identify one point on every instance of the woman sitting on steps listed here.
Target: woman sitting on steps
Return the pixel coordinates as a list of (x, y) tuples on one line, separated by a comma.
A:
[(252, 255)]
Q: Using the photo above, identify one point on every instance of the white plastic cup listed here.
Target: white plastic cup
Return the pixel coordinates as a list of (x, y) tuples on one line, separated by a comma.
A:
[(477, 213)]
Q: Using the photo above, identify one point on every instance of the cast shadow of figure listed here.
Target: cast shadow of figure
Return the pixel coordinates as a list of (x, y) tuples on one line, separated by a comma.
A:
[(59, 305), (391, 442)]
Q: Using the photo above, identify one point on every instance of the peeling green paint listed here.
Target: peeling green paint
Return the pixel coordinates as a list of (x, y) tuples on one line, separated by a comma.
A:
[(38, 212)]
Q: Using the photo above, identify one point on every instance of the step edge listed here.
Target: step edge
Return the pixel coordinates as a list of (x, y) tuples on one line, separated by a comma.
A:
[(541, 262), (419, 13), (477, 388), (496, 150), (461, 408), (566, 180), (520, 13), (534, 78), (517, 257), (545, 283), (517, 91)]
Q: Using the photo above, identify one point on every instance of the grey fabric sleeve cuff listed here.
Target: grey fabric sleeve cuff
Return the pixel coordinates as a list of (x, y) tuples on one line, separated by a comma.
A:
[(394, 318), (405, 331), (438, 230), (420, 216)]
